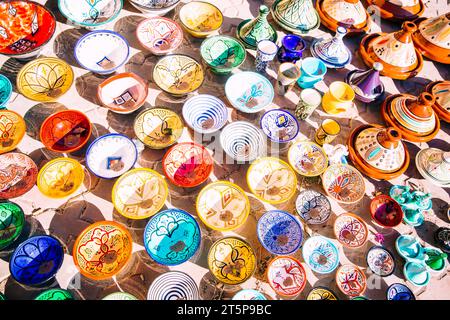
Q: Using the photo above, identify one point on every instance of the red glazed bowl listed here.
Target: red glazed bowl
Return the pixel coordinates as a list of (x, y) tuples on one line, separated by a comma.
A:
[(385, 211)]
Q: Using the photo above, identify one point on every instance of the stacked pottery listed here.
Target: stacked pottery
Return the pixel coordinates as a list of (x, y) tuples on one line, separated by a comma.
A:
[(253, 31), (366, 83), (297, 16), (441, 91), (398, 10), (434, 165), (333, 51)]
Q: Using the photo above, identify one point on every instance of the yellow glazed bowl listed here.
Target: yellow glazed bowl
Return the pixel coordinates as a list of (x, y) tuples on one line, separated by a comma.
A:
[(338, 98), (45, 79), (307, 158), (200, 19), (12, 130)]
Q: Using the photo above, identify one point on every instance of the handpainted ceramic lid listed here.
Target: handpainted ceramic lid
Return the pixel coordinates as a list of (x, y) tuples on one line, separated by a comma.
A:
[(251, 31), (343, 183), (434, 165), (279, 125), (172, 237), (173, 285), (231, 260), (320, 254), (416, 273), (60, 177), (350, 230), (347, 13), (307, 158), (286, 276), (380, 261), (351, 280), (139, 193), (12, 130), (160, 35), (55, 294), (120, 296), (296, 16), (332, 51), (12, 221), (249, 294), (321, 293), (223, 206), (398, 291), (271, 180), (158, 128), (18, 174), (441, 92), (102, 250), (313, 207)]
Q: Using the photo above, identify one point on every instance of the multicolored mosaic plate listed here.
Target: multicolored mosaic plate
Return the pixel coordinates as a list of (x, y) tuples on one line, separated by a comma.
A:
[(12, 130), (351, 280), (350, 230), (343, 183), (320, 254), (18, 174), (307, 158), (380, 261), (286, 276)]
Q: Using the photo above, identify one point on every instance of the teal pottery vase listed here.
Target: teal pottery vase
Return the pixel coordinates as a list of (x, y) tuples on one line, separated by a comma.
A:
[(253, 31), (296, 16), (222, 53)]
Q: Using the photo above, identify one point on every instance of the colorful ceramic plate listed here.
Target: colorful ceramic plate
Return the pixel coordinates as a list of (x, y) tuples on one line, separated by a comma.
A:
[(380, 261), (398, 291), (154, 8), (12, 130), (55, 294), (223, 53), (200, 18), (249, 294), (12, 221), (279, 125), (320, 254), (321, 293), (385, 211), (18, 174), (205, 113), (5, 90), (286, 276), (159, 35), (120, 296), (173, 285), (351, 280), (313, 207), (350, 230), (91, 13), (307, 158), (343, 183)]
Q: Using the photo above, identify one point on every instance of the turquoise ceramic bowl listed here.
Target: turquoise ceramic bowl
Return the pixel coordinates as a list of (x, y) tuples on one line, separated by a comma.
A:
[(416, 273), (90, 13), (5, 91), (409, 248), (223, 53), (320, 254)]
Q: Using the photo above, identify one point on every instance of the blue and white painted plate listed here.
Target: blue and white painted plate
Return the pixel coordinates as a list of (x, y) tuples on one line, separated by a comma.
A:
[(279, 125), (398, 291), (320, 254), (205, 113)]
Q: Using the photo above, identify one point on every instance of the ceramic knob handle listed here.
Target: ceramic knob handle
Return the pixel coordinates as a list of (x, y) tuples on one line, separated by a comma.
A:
[(404, 35), (426, 98), (389, 138), (378, 66), (263, 10)]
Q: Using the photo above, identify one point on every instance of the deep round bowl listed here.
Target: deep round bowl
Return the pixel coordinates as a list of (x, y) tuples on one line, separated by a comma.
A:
[(249, 294), (279, 125), (286, 276), (307, 158), (321, 293), (159, 35), (223, 53), (102, 250), (320, 254), (173, 285), (12, 221), (154, 7), (12, 130), (111, 155), (398, 291), (343, 183), (19, 172), (102, 51), (416, 273), (380, 261), (120, 296), (313, 207), (54, 294), (5, 90), (172, 237), (200, 19), (92, 13), (36, 260), (350, 230), (205, 113), (351, 280), (386, 212)]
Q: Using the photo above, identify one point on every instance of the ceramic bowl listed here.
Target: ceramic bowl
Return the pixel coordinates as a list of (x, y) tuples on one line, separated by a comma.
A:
[(249, 294), (92, 13), (155, 7), (242, 141), (19, 172), (386, 212), (321, 293), (173, 285), (120, 296), (279, 125), (271, 180), (54, 294), (139, 193), (123, 93), (45, 79), (102, 250), (313, 207), (223, 53), (416, 273), (111, 155), (25, 34), (380, 261), (350, 230), (102, 51), (307, 158), (12, 130), (205, 113), (279, 232), (351, 280), (435, 259), (442, 239), (343, 183), (200, 19), (60, 177), (5, 91), (320, 254), (249, 92), (172, 237), (12, 221), (36, 260), (409, 248), (286, 276), (159, 35), (398, 291)]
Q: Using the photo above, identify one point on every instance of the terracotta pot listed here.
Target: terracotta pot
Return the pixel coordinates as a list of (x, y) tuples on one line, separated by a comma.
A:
[(441, 90), (391, 11)]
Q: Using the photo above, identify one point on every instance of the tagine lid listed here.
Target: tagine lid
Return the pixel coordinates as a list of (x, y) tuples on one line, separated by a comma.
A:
[(441, 92), (434, 165), (332, 51), (366, 83), (12, 130), (251, 31), (350, 14), (296, 16), (398, 10)]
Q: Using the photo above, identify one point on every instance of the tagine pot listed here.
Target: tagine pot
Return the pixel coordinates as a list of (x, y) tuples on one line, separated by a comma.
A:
[(332, 51), (395, 51), (434, 165), (252, 31), (398, 10), (296, 16), (441, 92), (366, 83)]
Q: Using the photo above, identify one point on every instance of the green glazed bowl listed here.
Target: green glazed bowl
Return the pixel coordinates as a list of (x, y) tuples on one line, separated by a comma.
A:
[(55, 294), (223, 53), (12, 221)]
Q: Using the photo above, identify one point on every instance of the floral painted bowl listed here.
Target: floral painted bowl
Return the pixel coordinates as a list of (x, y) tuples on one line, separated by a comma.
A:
[(123, 93), (205, 113), (159, 35), (249, 294), (249, 91), (5, 91), (380, 261), (91, 13), (12, 221), (313, 207), (36, 260), (172, 237), (102, 250), (120, 296), (279, 125), (320, 254), (200, 19), (173, 285), (350, 230), (398, 291), (307, 158), (66, 131), (54, 294), (19, 174), (111, 155), (351, 280), (25, 28), (60, 177), (155, 7), (178, 74), (45, 79), (386, 212), (271, 180), (223, 53), (286, 276), (12, 130), (102, 51), (321, 293), (343, 183)]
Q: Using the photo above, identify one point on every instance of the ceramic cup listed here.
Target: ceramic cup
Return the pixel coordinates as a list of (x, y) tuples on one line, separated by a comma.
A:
[(292, 47), (312, 71), (339, 98), (266, 52), (328, 130), (310, 99), (288, 73)]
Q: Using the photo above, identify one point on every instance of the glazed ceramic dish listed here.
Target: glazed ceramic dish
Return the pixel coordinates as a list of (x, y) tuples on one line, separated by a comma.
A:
[(90, 13), (304, 20), (313, 207), (416, 273), (249, 294), (380, 261), (205, 113), (286, 276), (441, 91), (321, 293), (54, 294), (307, 158), (386, 212), (249, 92), (154, 7), (102, 51), (159, 35), (433, 164), (173, 285), (252, 31), (200, 19), (120, 296), (18, 175), (343, 183), (332, 51), (223, 53), (5, 91), (320, 254), (12, 222), (350, 230), (398, 291), (279, 125), (12, 130), (351, 280)]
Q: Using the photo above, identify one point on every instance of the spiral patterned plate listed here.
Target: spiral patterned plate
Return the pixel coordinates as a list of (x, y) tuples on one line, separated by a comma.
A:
[(286, 276), (173, 285), (205, 113)]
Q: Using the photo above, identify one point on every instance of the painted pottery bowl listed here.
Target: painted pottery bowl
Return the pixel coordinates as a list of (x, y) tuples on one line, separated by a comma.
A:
[(321, 293), (223, 53), (435, 259), (200, 19), (60, 177), (360, 298), (416, 273), (442, 239), (178, 74), (307, 158), (242, 141), (350, 230), (385, 211), (279, 125), (380, 261), (343, 183), (36, 260), (12, 130), (139, 193), (223, 206), (45, 79), (249, 294), (12, 221), (159, 35), (155, 7), (313, 207), (205, 113), (433, 165), (249, 91), (279, 232), (65, 131), (286, 276), (27, 27), (351, 280), (55, 294), (102, 250), (5, 91), (409, 248), (102, 51), (120, 296), (398, 291), (320, 254), (271, 180), (123, 93), (18, 174), (158, 128), (231, 260), (111, 155), (173, 285), (92, 13), (172, 237)]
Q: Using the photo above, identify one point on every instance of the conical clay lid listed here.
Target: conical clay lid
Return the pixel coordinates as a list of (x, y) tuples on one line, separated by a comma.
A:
[(434, 165), (366, 83), (253, 31), (332, 51), (437, 31), (298, 16), (345, 12)]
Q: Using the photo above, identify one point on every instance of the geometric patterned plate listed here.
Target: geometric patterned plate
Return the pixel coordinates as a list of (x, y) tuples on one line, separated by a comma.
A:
[(343, 183), (286, 276), (351, 280), (350, 230), (313, 207)]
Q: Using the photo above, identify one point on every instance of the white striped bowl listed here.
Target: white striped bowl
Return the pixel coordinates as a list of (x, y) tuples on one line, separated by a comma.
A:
[(173, 285), (205, 113)]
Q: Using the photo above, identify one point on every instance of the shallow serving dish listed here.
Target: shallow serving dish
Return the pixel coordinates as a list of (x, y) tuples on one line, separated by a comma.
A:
[(200, 19), (205, 113), (279, 125), (320, 254), (155, 7), (343, 183), (350, 230), (307, 158)]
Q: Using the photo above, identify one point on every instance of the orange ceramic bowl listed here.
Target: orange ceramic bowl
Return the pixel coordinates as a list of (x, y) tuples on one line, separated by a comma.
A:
[(385, 211)]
